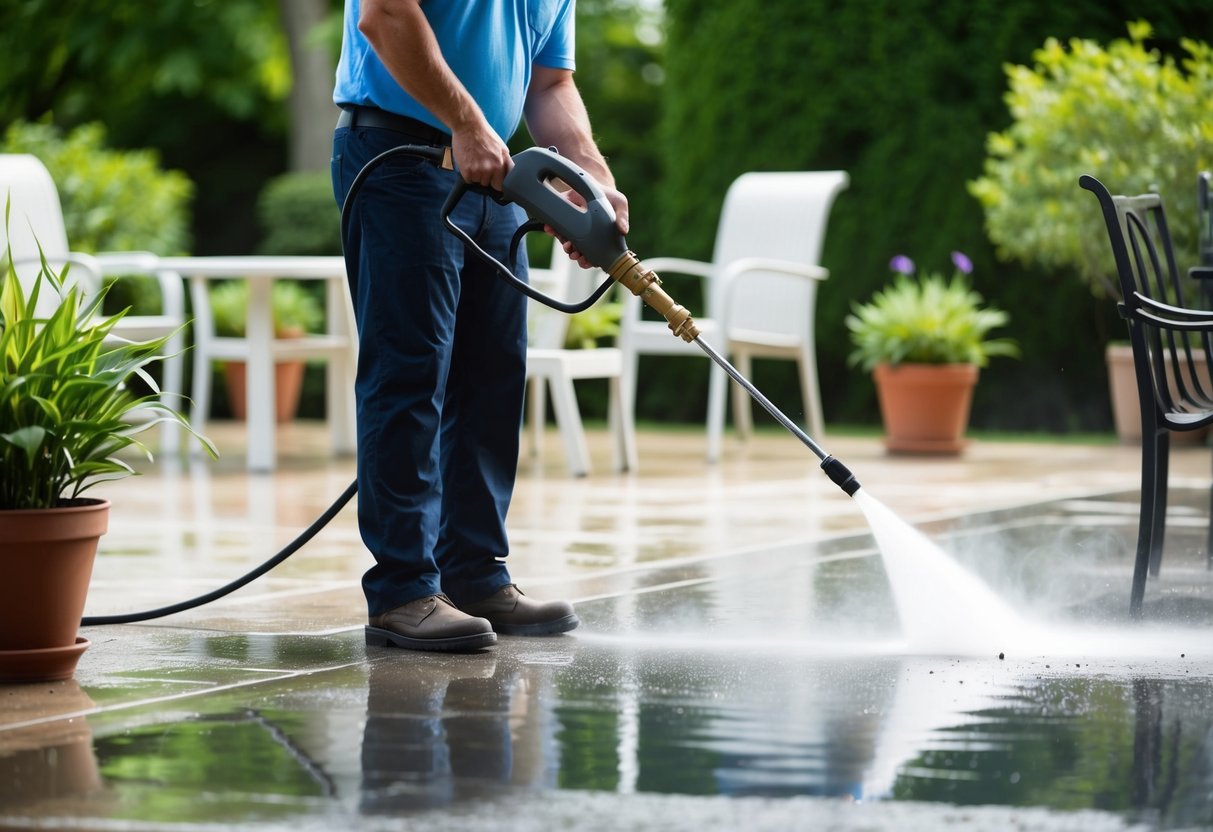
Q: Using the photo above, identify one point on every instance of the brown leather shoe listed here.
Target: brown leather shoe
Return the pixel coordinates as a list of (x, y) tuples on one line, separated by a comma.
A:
[(430, 623), (513, 614)]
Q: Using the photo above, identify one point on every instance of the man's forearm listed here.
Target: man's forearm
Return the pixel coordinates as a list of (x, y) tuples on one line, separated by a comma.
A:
[(556, 116), (402, 38)]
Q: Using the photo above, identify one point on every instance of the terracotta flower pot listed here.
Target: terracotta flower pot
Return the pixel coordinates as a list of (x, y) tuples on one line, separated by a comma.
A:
[(925, 407), (1126, 409), (46, 556), (288, 386)]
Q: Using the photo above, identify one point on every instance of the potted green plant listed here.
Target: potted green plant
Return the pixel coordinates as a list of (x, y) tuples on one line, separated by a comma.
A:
[(66, 411), (295, 313), (924, 340), (593, 327), (1127, 114)]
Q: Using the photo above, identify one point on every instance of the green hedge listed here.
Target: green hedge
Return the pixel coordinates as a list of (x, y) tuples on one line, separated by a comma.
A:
[(299, 216), (901, 95), (113, 200)]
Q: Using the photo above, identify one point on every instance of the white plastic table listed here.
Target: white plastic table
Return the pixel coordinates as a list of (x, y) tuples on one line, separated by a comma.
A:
[(338, 344)]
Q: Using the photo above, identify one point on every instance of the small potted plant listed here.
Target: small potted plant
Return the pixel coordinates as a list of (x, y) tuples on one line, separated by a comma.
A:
[(924, 340), (65, 418), (295, 314)]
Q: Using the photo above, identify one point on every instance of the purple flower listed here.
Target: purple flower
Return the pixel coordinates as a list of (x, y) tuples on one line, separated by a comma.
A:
[(902, 264), (962, 263)]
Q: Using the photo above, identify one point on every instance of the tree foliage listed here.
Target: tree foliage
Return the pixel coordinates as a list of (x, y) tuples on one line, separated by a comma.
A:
[(84, 60), (113, 200), (203, 82)]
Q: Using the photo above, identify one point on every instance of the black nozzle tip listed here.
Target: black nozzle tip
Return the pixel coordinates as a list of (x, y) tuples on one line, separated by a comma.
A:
[(840, 475)]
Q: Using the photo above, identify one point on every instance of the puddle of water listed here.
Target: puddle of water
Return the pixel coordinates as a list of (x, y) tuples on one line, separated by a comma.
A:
[(585, 717)]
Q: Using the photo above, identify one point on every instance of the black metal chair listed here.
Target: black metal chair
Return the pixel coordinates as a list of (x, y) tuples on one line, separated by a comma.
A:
[(1173, 375)]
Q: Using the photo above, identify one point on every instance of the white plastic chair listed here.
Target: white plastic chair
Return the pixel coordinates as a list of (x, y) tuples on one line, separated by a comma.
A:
[(760, 291), (37, 220), (550, 365)]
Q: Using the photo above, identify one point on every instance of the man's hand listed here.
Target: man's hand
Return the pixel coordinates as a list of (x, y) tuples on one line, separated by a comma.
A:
[(480, 155)]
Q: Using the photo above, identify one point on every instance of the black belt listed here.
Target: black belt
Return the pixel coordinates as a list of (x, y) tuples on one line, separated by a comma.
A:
[(413, 129)]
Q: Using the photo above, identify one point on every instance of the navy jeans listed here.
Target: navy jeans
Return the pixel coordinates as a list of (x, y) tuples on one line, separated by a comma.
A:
[(441, 377)]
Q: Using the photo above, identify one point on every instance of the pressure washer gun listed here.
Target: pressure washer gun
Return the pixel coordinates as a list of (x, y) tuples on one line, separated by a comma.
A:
[(538, 183)]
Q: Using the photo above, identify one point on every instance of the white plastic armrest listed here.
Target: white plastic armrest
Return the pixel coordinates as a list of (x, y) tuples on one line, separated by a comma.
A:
[(127, 262), (678, 265), (81, 262), (738, 269), (172, 292), (763, 264), (665, 265)]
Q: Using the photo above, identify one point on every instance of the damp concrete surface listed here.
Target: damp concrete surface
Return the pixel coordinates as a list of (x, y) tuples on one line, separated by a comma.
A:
[(741, 663)]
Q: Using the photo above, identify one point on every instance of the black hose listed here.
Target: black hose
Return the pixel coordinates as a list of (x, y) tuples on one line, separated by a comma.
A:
[(436, 156), (290, 549)]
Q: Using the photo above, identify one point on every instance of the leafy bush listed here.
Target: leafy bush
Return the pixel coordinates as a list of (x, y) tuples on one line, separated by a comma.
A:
[(595, 325), (113, 200), (298, 215), (1126, 114)]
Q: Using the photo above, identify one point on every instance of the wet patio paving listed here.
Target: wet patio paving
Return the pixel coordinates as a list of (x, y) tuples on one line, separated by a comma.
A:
[(741, 664)]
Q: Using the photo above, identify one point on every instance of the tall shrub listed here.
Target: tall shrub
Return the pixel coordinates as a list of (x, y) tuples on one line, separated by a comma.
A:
[(298, 215), (1127, 114)]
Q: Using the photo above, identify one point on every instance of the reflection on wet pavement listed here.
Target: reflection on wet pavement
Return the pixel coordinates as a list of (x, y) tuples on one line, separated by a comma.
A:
[(761, 686), (409, 734)]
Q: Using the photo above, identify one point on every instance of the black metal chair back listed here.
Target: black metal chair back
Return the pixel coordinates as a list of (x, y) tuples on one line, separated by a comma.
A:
[(1204, 210), (1172, 343), (1204, 214)]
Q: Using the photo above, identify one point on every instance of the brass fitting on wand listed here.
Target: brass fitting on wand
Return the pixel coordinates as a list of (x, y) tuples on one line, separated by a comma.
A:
[(646, 285)]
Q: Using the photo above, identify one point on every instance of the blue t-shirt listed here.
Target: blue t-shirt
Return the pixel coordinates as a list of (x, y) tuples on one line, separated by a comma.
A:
[(490, 45)]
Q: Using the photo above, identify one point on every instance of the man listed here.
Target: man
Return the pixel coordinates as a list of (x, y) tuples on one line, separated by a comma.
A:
[(442, 361)]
